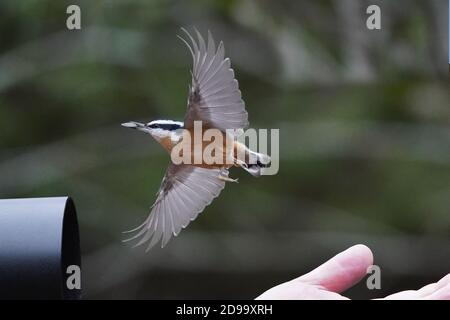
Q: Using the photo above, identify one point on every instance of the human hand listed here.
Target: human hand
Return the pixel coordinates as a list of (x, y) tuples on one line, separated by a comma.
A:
[(341, 272)]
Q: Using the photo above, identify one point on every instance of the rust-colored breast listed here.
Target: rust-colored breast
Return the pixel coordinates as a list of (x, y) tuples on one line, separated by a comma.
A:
[(222, 152), (167, 144)]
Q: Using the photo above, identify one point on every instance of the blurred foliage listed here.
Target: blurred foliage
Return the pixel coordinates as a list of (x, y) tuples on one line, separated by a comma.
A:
[(363, 117)]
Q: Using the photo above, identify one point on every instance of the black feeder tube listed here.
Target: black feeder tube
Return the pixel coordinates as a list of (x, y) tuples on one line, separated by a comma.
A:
[(39, 240)]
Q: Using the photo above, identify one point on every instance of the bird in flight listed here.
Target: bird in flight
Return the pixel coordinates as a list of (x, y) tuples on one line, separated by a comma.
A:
[(214, 102)]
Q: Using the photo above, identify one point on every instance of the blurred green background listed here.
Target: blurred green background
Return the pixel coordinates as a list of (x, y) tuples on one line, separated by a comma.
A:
[(364, 124)]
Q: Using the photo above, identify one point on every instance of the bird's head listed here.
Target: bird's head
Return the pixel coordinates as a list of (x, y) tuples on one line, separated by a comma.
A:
[(158, 129)]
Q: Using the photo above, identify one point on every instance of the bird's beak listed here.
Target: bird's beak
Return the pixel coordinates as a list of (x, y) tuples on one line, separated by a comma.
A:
[(136, 125)]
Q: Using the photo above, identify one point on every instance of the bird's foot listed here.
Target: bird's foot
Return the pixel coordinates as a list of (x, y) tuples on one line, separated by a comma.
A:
[(227, 179), (240, 163)]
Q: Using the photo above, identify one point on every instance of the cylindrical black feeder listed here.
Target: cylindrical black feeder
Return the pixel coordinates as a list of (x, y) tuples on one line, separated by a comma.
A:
[(39, 240)]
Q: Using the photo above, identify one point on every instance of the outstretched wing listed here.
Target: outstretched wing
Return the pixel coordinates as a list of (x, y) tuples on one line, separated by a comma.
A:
[(214, 95), (185, 191)]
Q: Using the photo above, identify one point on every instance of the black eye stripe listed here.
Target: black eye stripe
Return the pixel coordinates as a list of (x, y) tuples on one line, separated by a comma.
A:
[(165, 126), (169, 127)]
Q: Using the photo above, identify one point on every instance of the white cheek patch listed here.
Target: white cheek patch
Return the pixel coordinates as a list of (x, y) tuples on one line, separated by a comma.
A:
[(159, 133), (176, 135)]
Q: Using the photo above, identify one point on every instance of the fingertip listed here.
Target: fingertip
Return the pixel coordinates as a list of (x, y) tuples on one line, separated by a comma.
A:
[(343, 270), (363, 253)]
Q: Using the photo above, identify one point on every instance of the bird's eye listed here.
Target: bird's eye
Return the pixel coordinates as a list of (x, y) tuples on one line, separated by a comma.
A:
[(154, 126)]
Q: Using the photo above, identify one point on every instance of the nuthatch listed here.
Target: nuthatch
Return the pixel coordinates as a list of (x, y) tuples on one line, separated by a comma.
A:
[(215, 101)]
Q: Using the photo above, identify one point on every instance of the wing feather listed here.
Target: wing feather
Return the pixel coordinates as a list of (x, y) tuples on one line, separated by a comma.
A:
[(185, 192), (214, 95)]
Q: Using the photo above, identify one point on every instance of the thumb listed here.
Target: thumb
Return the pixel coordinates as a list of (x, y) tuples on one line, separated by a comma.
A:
[(342, 271)]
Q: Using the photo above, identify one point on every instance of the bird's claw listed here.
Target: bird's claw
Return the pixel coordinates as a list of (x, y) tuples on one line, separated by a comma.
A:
[(227, 179), (240, 163)]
